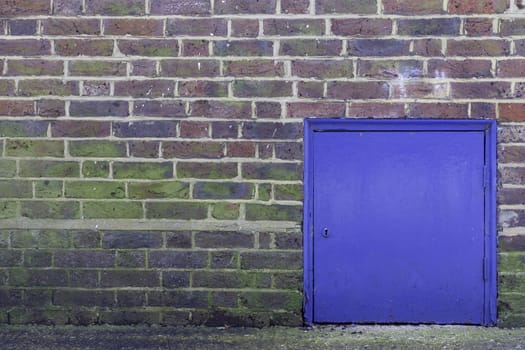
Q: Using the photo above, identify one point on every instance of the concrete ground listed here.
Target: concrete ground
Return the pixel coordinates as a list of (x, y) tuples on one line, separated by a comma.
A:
[(321, 337)]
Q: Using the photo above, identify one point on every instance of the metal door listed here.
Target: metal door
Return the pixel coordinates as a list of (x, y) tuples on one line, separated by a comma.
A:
[(400, 232)]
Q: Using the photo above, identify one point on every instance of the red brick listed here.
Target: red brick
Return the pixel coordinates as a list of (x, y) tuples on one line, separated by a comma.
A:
[(310, 89), (16, 108), (203, 88), (144, 27), (253, 68), (478, 26), (149, 47), (315, 109), (25, 8), (427, 47), (412, 7), (24, 47), (357, 90), (361, 26), (116, 7), (196, 48), (451, 68), (346, 6), (511, 112), (290, 27), (419, 90), (511, 68), (197, 26), (483, 90), (483, 110), (220, 109), (189, 68), (486, 47), (144, 88), (80, 128), (268, 110), (295, 6), (240, 149), (376, 110), (390, 69), (69, 26), (84, 47), (245, 6), (323, 69), (468, 7), (438, 110), (248, 28), (511, 154), (191, 129)]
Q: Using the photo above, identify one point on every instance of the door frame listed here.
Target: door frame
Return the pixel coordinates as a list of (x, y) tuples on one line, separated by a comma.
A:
[(312, 125)]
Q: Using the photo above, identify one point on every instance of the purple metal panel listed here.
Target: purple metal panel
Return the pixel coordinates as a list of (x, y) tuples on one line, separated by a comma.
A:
[(398, 220)]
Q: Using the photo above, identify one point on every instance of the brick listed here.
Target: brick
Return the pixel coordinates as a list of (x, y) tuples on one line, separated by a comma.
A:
[(378, 47), (145, 129), (95, 189), (315, 109), (241, 149), (193, 149), (224, 239), (267, 110), (176, 210), (129, 317), (49, 168), (203, 88), (85, 128), (180, 299), (295, 6), (50, 108), (34, 67), (412, 7), (427, 48), (129, 278), (17, 108), (115, 8), (160, 109), (7, 87), (206, 170), (100, 148), (84, 47), (197, 26), (221, 109), (99, 109), (438, 110), (175, 279), (271, 260), (91, 298), (67, 7), (70, 26), (7, 168), (243, 48), (511, 68), (358, 90), (291, 27), (270, 300), (485, 90), (15, 189), (147, 68), (511, 133), (22, 27), (511, 154), (310, 47), (50, 210), (245, 7), (131, 259), (34, 148), (425, 27), (178, 239), (254, 68), (520, 47), (149, 47), (390, 68), (223, 190), (225, 211), (511, 283), (513, 26), (262, 88), (195, 47), (112, 210), (144, 149), (177, 259), (172, 189), (273, 212), (37, 258), (131, 299), (513, 112), (264, 130), (511, 243), (246, 28), (10, 258), (224, 130), (483, 110), (479, 26), (144, 88), (477, 6), (142, 170), (181, 7), (450, 68), (10, 297), (22, 128), (265, 194), (361, 27), (376, 110), (95, 169), (289, 150), (216, 279), (346, 6), (223, 259), (224, 299), (275, 171), (86, 239), (192, 129), (85, 259), (511, 262), (40, 239), (38, 277), (288, 280), (189, 68), (47, 87), (485, 47), (25, 47), (25, 8), (131, 239), (97, 68), (135, 26), (419, 90)]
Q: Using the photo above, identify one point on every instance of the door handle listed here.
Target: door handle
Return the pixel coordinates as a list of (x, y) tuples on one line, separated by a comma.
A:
[(325, 232)]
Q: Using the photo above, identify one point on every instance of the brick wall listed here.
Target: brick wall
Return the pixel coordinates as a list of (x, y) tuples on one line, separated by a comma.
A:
[(151, 150)]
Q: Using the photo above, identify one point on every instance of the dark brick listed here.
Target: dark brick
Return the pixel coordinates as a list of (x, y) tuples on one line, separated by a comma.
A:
[(182, 299), (51, 108), (197, 26), (135, 26), (159, 109), (221, 109), (192, 129), (216, 279), (49, 168), (86, 239), (358, 90), (129, 317), (295, 6), (459, 68), (346, 6), (11, 297), (243, 48), (130, 259), (427, 48), (144, 149), (10, 258), (511, 154), (425, 27), (289, 150), (247, 28), (176, 210), (85, 259), (206, 170), (25, 47), (47, 87), (67, 7), (130, 278), (270, 300), (99, 109), (189, 68), (223, 190), (515, 176), (485, 47), (378, 47), (483, 110), (254, 68), (18, 108), (220, 239), (200, 48), (142, 170), (241, 149), (71, 26), (483, 90), (224, 299), (477, 6), (290, 27), (180, 7), (38, 277), (361, 26), (203, 88), (224, 259), (149, 47), (288, 280), (115, 7), (287, 240), (22, 27), (127, 298), (40, 239), (85, 128), (97, 68), (260, 130), (83, 278), (177, 259), (262, 88), (165, 128), (412, 7), (315, 109), (175, 279), (83, 298), (178, 240), (83, 47), (273, 212), (270, 110), (193, 149), (38, 258), (146, 68), (438, 110), (144, 88), (171, 189), (511, 243), (50, 210), (310, 47), (272, 260), (245, 7), (25, 8)]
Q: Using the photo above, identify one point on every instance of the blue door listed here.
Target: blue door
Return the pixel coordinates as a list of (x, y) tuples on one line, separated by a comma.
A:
[(400, 232)]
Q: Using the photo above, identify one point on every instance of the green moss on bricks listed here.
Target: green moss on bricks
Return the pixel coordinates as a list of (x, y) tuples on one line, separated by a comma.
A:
[(50, 210), (95, 169), (171, 189), (16, 189), (95, 189), (265, 192), (97, 148), (34, 148), (294, 302), (511, 303), (19, 277), (48, 189), (206, 170), (176, 210), (292, 192), (511, 262), (511, 282), (49, 168), (113, 210), (225, 211), (273, 212), (153, 170), (40, 239), (7, 209), (223, 190), (124, 8), (7, 168), (97, 68)]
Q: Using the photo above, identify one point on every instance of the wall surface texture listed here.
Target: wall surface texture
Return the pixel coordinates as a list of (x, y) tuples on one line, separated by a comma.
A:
[(151, 151)]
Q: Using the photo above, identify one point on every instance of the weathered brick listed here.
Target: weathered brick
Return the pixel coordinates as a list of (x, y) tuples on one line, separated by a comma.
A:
[(159, 109), (38, 277), (477, 6), (315, 109), (513, 112), (95, 189), (67, 7), (7, 168), (243, 48), (428, 48), (310, 47), (131, 259), (265, 130), (15, 189), (172, 189), (37, 258), (223, 190), (11, 297), (189, 68), (291, 192), (145, 88), (511, 133), (240, 149), (271, 300), (84, 128), (84, 259), (290, 27), (346, 6), (221, 109), (361, 26), (129, 317), (265, 194), (177, 259), (115, 8), (193, 149), (40, 239), (197, 26), (97, 68), (271, 260), (378, 47), (178, 239), (295, 6), (47, 87), (131, 239), (165, 128), (226, 130), (511, 243), (50, 108), (438, 110), (222, 239), (254, 68), (419, 90), (247, 28), (262, 88), (50, 210), (144, 149), (195, 47), (245, 6), (273, 212), (34, 67), (142, 170), (206, 170), (511, 68), (468, 68), (99, 108), (10, 258), (175, 279), (358, 90), (511, 154), (7, 87), (74, 298), (34, 148), (223, 259), (192, 129), (485, 90), (176, 210), (130, 278), (225, 211), (22, 128), (276, 171), (131, 298), (180, 7), (147, 68), (270, 110), (70, 26), (112, 210), (135, 26), (511, 262), (49, 168), (25, 8), (86, 239), (479, 26), (100, 148), (149, 47), (288, 280), (483, 110), (18, 108), (412, 7), (203, 88), (485, 47), (224, 299), (83, 47), (94, 168), (182, 299), (25, 47), (425, 27)]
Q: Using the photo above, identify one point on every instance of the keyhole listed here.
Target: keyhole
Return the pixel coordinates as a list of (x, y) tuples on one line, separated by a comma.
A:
[(325, 232)]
